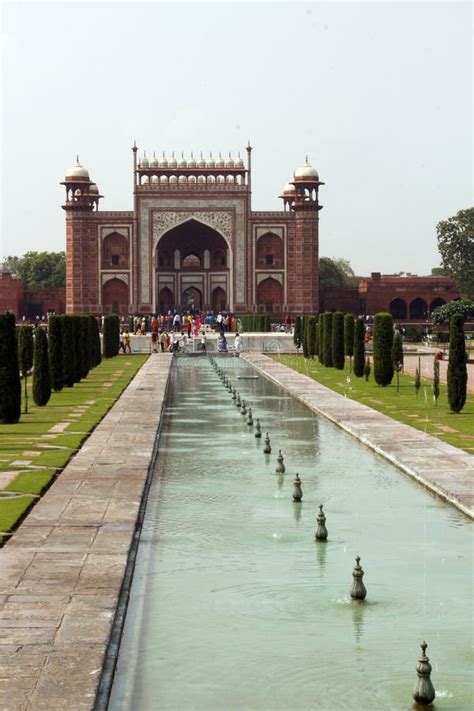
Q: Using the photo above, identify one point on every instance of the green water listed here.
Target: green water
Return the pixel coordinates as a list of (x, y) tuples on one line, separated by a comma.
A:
[(233, 603)]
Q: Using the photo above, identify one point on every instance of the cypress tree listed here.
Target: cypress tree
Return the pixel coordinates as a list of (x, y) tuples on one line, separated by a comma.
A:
[(321, 337), (25, 355), (304, 337), (457, 369), (397, 356), (77, 345), (359, 348), (41, 374), (111, 336), (297, 333), (436, 380), (86, 345), (349, 338), (383, 340), (68, 352), (55, 347), (311, 336), (417, 381), (327, 338), (337, 340), (96, 340), (10, 385)]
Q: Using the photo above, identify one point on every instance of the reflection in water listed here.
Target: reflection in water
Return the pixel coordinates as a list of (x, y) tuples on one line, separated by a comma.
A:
[(321, 550), (358, 608), (280, 480), (297, 506)]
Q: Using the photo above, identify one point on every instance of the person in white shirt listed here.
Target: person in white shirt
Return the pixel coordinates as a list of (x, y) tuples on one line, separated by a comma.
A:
[(238, 345)]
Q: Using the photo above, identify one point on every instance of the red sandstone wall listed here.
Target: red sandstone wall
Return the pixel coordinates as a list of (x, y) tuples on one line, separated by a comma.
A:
[(11, 293)]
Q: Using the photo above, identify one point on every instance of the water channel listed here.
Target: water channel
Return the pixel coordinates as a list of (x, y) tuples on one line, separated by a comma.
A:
[(235, 606)]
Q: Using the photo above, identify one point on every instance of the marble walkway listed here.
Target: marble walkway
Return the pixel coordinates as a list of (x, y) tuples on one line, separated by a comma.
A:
[(444, 469), (62, 571)]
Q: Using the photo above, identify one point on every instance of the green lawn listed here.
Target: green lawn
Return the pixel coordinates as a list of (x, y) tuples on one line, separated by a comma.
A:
[(37, 448), (420, 412)]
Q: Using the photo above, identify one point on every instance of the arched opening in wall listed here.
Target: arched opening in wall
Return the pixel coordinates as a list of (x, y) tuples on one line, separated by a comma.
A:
[(398, 308), (191, 261), (165, 260), (437, 302), (165, 300), (115, 297), (219, 299), (192, 299), (270, 294), (269, 251), (219, 259), (115, 251), (418, 310)]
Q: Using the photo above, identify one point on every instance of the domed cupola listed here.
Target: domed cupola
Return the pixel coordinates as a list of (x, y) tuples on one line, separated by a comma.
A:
[(202, 162), (77, 172), (306, 173), (191, 162), (154, 162), (239, 163), (163, 162), (220, 162), (172, 163), (289, 189), (144, 163), (211, 163), (229, 162), (183, 162)]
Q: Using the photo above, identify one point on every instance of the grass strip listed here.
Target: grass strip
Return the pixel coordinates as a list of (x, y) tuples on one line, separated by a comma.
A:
[(47, 437), (421, 412)]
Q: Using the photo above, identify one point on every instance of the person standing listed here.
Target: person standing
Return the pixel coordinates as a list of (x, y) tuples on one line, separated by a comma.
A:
[(126, 340), (238, 345), (176, 322), (154, 341)]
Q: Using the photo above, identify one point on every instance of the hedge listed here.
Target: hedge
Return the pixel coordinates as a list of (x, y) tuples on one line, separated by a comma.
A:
[(10, 386)]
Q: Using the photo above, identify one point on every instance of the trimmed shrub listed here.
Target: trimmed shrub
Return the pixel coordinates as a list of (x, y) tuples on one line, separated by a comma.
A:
[(86, 346), (69, 354), (337, 341), (367, 370), (10, 385), (304, 339), (298, 332), (55, 347), (327, 338), (111, 336), (41, 374), (359, 348), (320, 338), (457, 369), (310, 336), (96, 356), (383, 340), (349, 338), (436, 380), (397, 356), (417, 381), (25, 356), (77, 345)]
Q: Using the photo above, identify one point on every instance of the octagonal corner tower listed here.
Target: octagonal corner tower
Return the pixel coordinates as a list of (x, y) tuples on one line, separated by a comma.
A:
[(192, 241)]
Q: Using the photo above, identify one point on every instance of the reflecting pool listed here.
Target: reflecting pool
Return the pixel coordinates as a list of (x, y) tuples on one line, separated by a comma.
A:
[(233, 603)]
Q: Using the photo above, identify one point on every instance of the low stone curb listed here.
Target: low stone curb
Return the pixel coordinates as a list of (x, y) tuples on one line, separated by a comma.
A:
[(62, 571), (440, 467)]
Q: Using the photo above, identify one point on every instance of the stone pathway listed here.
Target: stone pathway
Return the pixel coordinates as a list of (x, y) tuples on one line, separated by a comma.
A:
[(444, 469), (410, 364), (61, 572)]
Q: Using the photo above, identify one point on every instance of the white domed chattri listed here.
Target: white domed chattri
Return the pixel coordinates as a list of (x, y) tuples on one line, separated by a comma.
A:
[(307, 171), (77, 171)]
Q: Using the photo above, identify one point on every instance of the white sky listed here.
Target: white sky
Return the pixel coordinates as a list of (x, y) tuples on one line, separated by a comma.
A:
[(378, 94)]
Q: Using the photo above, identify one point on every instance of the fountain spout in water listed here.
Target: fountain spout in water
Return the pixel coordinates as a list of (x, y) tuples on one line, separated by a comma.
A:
[(249, 417), (358, 591), (321, 531), (297, 490), (243, 409), (258, 429), (424, 692), (267, 449), (280, 467)]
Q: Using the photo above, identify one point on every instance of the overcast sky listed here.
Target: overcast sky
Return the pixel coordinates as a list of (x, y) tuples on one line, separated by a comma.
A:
[(377, 94)]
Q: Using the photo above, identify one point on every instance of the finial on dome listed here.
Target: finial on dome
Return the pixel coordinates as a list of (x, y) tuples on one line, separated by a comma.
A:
[(210, 153), (163, 154), (306, 159), (220, 156), (77, 159), (201, 154), (230, 155), (144, 154), (172, 154), (182, 155)]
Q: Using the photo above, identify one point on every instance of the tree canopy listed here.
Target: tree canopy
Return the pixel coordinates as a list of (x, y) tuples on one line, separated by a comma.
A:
[(456, 246), (38, 270), (334, 272), (443, 314)]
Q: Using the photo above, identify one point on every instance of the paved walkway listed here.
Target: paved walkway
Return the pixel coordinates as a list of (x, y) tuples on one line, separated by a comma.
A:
[(61, 573), (410, 364), (444, 469)]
